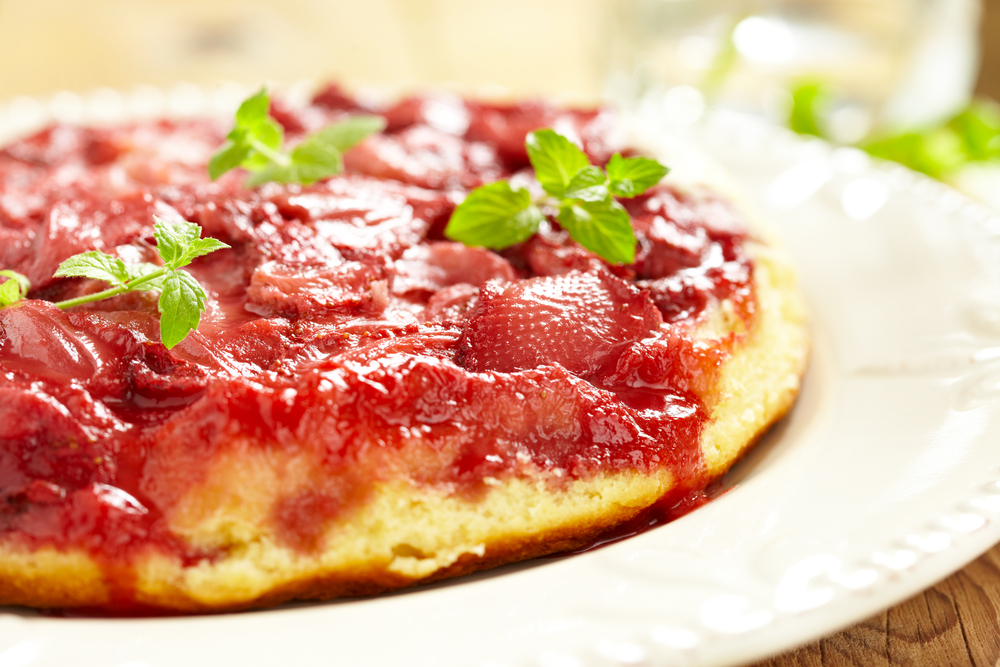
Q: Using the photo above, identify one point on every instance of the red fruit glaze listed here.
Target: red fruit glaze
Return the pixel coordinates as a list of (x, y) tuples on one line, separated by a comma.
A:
[(341, 330)]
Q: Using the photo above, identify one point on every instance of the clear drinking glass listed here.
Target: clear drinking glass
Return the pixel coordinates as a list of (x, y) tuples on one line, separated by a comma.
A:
[(890, 62)]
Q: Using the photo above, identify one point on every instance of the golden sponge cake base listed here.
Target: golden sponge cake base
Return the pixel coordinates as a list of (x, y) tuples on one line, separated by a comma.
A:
[(404, 535), (758, 384)]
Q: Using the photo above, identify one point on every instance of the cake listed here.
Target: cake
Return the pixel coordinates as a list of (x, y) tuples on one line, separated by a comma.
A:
[(365, 404)]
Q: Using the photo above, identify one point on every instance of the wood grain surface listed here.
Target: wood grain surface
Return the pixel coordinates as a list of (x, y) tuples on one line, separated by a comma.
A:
[(989, 71), (954, 623)]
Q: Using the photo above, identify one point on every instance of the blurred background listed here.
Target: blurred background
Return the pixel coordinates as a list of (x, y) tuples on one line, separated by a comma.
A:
[(908, 80), (529, 46)]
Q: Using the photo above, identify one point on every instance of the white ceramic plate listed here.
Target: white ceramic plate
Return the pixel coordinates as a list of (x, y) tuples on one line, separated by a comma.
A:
[(884, 479)]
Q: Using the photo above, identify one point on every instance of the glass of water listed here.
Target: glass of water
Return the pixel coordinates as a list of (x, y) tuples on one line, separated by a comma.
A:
[(889, 62)]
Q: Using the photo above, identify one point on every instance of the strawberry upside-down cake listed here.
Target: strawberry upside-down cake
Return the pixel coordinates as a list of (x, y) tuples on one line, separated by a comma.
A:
[(365, 404)]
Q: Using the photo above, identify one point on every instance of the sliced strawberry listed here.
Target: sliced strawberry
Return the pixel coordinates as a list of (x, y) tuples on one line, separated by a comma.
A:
[(299, 291), (507, 126), (444, 113), (677, 230), (577, 320), (427, 157), (433, 266), (355, 211), (451, 304), (37, 338), (554, 253), (665, 248), (335, 98)]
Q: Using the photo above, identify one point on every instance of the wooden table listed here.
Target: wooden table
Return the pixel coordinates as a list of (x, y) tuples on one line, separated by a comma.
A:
[(955, 623)]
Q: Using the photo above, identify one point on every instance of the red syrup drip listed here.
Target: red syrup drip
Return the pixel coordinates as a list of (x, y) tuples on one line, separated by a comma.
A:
[(669, 508)]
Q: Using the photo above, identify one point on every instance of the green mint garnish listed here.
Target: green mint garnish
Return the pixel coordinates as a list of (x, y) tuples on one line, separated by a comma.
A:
[(556, 160), (810, 101), (634, 175), (978, 129), (600, 224), (496, 216), (583, 195), (589, 184), (182, 299), (938, 150), (178, 243), (181, 303), (14, 288), (255, 143), (97, 265)]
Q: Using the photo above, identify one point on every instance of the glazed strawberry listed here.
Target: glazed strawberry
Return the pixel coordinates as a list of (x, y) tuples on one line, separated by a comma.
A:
[(427, 157), (431, 267), (576, 320)]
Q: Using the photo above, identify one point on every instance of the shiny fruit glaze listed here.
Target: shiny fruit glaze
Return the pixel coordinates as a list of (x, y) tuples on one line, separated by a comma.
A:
[(344, 333)]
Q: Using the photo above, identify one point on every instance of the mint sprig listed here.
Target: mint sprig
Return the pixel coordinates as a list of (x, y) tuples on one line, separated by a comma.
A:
[(182, 300), (581, 194), (14, 288), (255, 144)]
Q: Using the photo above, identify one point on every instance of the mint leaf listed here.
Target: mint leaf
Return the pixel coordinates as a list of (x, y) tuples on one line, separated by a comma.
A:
[(934, 153), (263, 139), (253, 123), (809, 102), (497, 216), (630, 177), (556, 160), (941, 150), (314, 159), (589, 184), (10, 292), (346, 134), (182, 300), (494, 216), (94, 264), (173, 239), (230, 156), (273, 173), (20, 279), (978, 127), (253, 110), (602, 227), (203, 247), (178, 243)]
